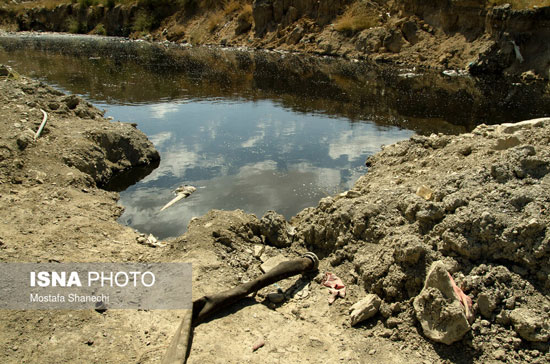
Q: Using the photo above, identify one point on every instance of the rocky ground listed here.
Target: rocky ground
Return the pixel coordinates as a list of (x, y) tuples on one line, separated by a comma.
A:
[(474, 205)]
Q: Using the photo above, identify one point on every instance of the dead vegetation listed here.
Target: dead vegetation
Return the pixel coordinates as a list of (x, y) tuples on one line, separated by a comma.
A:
[(358, 16)]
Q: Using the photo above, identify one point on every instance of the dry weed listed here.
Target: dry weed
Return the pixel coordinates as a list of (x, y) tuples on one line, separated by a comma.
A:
[(214, 21), (357, 17), (232, 6)]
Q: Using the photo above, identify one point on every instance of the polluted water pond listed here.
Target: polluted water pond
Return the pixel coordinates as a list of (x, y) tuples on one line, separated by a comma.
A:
[(255, 130)]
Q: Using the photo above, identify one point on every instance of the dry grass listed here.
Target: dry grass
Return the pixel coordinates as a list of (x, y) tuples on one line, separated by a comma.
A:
[(232, 6), (357, 17), (197, 35), (48, 4), (246, 11), (215, 20)]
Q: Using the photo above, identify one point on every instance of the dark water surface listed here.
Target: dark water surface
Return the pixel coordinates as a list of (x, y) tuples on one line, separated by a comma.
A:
[(256, 130)]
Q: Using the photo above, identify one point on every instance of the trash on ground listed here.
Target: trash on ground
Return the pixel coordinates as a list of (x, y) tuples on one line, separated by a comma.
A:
[(335, 285)]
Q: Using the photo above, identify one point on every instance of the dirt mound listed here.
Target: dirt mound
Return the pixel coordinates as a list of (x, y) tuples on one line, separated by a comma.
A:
[(477, 202)]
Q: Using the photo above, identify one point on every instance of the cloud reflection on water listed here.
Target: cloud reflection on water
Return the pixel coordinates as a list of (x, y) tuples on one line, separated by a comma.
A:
[(254, 156)]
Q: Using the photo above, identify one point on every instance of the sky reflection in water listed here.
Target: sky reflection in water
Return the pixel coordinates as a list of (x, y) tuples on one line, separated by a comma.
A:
[(254, 156)]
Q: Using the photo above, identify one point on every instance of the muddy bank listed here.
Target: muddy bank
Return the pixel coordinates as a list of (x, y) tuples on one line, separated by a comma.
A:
[(447, 35), (482, 213), (56, 177), (53, 211)]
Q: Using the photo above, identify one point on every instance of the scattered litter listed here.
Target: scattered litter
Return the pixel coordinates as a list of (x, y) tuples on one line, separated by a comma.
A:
[(408, 75), (464, 299), (42, 125), (302, 291), (450, 73), (299, 290), (336, 287), (258, 345), (151, 241), (425, 192), (519, 57)]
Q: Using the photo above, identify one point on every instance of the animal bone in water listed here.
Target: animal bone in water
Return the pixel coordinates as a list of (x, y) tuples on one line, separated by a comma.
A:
[(181, 193)]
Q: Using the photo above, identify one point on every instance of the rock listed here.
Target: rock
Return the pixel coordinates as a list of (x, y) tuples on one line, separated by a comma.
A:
[(296, 34), (506, 143), (438, 309), (510, 128), (4, 71), (71, 101), (394, 42), (152, 240), (365, 309), (24, 139), (372, 39), (409, 30), (499, 354), (530, 325), (272, 263), (276, 297), (258, 250), (393, 322), (276, 230), (262, 12), (486, 304), (325, 203), (350, 194)]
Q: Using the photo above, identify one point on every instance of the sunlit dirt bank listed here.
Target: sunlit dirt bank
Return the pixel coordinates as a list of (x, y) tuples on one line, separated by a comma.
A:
[(481, 36)]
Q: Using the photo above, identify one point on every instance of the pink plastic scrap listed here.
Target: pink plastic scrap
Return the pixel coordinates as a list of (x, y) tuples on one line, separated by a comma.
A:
[(464, 299), (335, 285)]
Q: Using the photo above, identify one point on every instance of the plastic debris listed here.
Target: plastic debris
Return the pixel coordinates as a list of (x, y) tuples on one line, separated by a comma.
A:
[(335, 285), (464, 299), (258, 345), (425, 192)]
